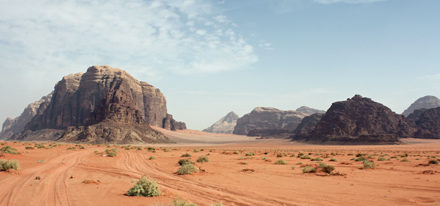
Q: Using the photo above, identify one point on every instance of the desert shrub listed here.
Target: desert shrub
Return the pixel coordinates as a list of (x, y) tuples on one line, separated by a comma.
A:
[(203, 159), (187, 169), (235, 152), (184, 161), (71, 148), (217, 204), (308, 169), (151, 149), (177, 202), (9, 149), (333, 160), (280, 162), (433, 162), (29, 147), (281, 155), (316, 159), (111, 152), (166, 150), (40, 146), (326, 168), (368, 164), (185, 155), (293, 167), (80, 146), (243, 163), (404, 160), (360, 159), (300, 154), (360, 155), (152, 158), (195, 150), (6, 165), (126, 147), (381, 159), (250, 154), (144, 187), (305, 157)]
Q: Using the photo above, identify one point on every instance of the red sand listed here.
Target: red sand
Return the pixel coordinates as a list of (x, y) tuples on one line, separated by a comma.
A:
[(83, 177)]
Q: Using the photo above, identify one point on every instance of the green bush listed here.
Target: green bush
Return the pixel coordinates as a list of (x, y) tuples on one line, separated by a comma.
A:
[(144, 187), (184, 161), (9, 149), (333, 160), (308, 169), (6, 165), (187, 169), (111, 152), (404, 160), (40, 146), (433, 162), (280, 162), (186, 155), (152, 158), (195, 150), (29, 147), (326, 168), (360, 159), (316, 159), (203, 159), (305, 157), (177, 202), (250, 154), (368, 164), (381, 159)]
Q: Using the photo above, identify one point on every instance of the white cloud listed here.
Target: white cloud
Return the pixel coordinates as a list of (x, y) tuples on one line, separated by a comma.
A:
[(346, 1), (143, 37)]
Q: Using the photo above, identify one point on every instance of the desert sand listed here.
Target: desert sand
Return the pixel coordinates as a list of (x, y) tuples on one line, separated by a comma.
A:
[(68, 175)]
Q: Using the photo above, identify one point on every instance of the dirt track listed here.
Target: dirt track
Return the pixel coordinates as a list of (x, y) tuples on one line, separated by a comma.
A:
[(63, 171)]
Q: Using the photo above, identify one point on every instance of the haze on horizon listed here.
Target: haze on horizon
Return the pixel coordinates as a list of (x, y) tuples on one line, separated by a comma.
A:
[(213, 57)]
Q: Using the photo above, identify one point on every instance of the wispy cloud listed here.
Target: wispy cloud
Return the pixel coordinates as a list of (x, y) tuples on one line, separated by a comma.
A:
[(346, 1), (435, 77), (144, 37)]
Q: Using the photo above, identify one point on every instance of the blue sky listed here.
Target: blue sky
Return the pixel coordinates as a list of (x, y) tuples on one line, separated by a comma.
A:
[(212, 57)]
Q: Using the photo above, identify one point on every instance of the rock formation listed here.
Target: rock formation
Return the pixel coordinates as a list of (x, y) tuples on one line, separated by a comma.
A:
[(267, 121), (104, 103), (426, 122), (360, 120), (225, 125), (426, 102), (14, 126), (307, 125), (309, 111)]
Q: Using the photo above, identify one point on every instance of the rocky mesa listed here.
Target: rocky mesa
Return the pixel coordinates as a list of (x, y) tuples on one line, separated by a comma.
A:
[(359, 120), (268, 122), (103, 105)]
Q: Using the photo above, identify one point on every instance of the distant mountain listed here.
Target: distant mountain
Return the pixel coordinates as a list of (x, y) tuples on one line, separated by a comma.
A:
[(14, 126), (426, 102), (268, 121), (309, 111), (225, 125), (360, 120)]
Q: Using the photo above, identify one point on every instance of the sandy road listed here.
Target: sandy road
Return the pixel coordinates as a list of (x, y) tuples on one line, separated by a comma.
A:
[(51, 189)]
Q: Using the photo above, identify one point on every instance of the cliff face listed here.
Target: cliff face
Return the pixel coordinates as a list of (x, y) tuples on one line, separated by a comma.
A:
[(426, 102), (13, 126), (225, 125), (360, 120), (104, 102), (307, 125), (426, 122), (266, 121)]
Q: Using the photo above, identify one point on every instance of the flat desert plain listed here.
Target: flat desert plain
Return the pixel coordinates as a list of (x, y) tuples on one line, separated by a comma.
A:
[(240, 171)]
